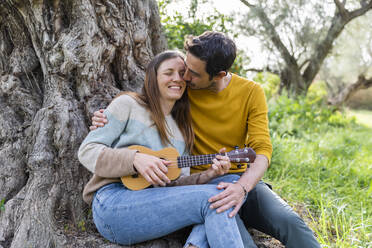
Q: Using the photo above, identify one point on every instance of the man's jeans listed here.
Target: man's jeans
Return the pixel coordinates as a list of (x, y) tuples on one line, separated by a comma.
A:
[(267, 212), (127, 217)]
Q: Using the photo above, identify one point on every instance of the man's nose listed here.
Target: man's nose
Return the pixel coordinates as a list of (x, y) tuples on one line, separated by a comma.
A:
[(186, 76)]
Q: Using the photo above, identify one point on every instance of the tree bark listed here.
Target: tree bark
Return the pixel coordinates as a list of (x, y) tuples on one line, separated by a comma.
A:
[(60, 61), (346, 93)]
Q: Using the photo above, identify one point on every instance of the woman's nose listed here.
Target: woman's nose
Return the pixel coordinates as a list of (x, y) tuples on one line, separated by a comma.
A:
[(177, 77)]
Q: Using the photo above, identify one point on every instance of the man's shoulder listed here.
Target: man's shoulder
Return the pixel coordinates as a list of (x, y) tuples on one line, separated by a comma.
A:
[(241, 83)]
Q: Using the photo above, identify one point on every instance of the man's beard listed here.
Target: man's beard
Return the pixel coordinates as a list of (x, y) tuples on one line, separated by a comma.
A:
[(212, 86)]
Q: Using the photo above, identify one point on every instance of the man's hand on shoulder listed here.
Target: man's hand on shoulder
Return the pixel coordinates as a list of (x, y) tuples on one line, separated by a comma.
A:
[(98, 119)]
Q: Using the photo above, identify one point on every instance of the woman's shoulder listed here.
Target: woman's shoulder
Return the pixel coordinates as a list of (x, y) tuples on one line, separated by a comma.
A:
[(124, 100), (122, 106)]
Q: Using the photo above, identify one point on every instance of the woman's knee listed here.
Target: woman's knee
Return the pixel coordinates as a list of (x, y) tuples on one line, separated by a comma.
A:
[(228, 178)]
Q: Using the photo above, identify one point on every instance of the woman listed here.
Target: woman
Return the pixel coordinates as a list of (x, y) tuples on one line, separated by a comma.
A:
[(157, 118)]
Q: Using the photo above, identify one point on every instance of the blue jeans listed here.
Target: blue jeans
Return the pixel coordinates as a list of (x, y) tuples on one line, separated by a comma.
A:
[(197, 236), (127, 217), (265, 211)]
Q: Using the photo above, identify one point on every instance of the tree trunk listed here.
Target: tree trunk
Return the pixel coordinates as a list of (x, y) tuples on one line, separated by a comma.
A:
[(346, 93), (60, 61)]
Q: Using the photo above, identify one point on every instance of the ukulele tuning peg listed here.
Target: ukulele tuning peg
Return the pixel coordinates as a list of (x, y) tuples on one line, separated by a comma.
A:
[(245, 145), (236, 147)]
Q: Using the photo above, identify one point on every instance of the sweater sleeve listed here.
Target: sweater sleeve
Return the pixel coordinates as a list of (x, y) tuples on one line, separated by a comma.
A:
[(196, 178), (258, 130), (96, 152)]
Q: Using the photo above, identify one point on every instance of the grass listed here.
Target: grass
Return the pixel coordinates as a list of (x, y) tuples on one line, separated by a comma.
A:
[(363, 117), (330, 171)]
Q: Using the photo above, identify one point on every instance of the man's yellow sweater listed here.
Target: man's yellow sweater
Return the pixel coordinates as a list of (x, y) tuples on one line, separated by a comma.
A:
[(235, 116)]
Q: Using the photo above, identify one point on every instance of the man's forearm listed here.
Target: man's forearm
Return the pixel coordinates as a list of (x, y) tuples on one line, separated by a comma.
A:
[(254, 173)]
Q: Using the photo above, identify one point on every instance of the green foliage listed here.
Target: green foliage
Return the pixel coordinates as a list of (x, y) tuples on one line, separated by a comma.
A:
[(317, 91), (269, 81), (177, 26), (321, 158), (81, 225), (302, 116), (2, 205)]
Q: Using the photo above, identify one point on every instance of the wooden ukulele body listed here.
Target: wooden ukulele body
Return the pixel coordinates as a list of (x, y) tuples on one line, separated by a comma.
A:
[(138, 182)]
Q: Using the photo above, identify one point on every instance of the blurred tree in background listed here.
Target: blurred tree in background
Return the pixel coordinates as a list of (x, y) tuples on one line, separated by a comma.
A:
[(296, 36), (177, 25), (299, 34)]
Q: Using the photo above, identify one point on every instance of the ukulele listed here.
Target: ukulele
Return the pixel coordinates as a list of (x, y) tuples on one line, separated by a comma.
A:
[(138, 182)]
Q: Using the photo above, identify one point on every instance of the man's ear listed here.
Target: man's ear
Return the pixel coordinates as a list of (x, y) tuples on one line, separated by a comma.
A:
[(220, 75)]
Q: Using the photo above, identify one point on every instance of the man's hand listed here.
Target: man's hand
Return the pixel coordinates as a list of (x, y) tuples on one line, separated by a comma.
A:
[(98, 119), (233, 195), (153, 169)]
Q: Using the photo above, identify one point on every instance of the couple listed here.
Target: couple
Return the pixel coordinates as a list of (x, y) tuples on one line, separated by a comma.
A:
[(226, 110)]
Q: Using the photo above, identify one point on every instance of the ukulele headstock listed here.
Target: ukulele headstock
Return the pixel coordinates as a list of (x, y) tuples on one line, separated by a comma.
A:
[(242, 155)]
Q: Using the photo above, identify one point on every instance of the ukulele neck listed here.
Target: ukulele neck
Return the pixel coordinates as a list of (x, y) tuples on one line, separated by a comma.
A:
[(188, 161)]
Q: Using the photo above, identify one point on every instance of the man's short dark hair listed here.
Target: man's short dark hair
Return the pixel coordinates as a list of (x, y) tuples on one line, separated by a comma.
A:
[(215, 48)]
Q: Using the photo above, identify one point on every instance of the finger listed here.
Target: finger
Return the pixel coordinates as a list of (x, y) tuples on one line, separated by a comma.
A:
[(91, 128), (101, 110), (98, 113), (225, 165), (222, 150), (218, 197), (167, 163), (235, 210), (99, 117), (222, 185), (224, 203), (97, 124), (148, 179), (99, 120), (222, 158), (161, 174), (163, 167), (217, 167), (155, 178), (216, 162), (225, 206)]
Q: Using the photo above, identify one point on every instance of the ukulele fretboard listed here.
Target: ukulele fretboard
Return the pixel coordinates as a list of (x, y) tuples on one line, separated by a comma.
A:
[(188, 161)]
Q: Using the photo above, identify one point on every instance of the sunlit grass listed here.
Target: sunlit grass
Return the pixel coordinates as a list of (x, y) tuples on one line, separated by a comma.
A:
[(329, 171), (363, 117)]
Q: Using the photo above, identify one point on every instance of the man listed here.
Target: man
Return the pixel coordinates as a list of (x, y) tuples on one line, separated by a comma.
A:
[(228, 111)]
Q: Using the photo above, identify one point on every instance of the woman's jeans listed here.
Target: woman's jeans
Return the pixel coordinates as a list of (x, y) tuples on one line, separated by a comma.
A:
[(198, 237), (265, 211), (127, 217)]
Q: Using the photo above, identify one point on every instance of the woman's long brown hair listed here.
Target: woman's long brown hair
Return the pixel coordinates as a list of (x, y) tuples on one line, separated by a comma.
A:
[(150, 98)]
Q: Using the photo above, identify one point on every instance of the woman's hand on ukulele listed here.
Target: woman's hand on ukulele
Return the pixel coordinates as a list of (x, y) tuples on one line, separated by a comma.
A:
[(153, 169), (221, 165)]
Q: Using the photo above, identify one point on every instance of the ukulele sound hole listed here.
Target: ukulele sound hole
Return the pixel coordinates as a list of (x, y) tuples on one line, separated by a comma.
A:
[(135, 176)]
